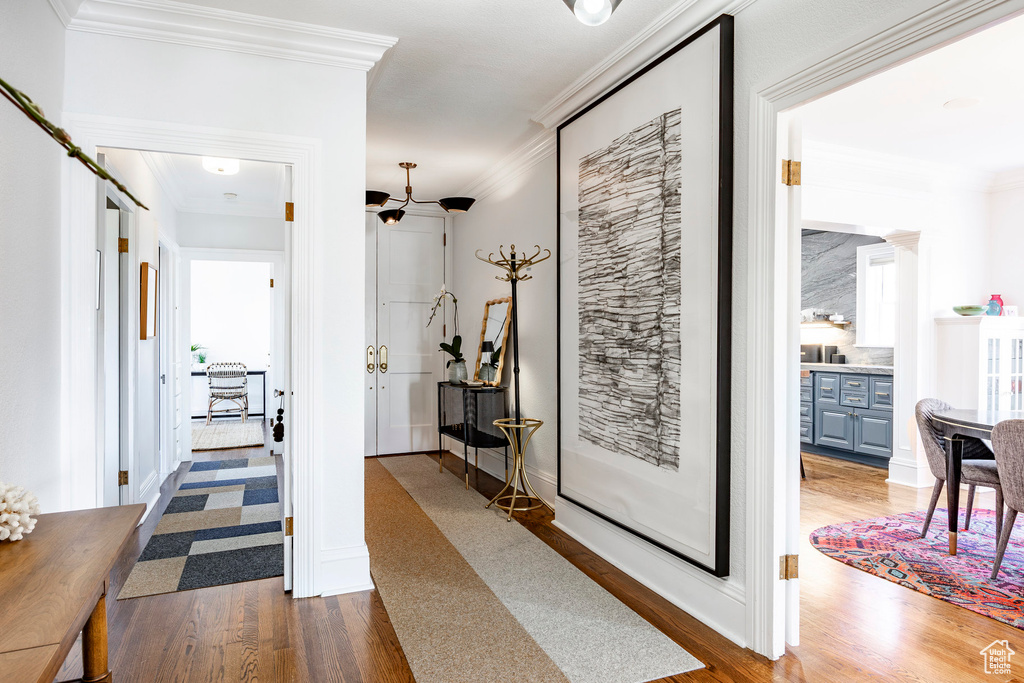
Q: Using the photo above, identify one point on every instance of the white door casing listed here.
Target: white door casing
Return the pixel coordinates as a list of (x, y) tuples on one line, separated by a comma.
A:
[(768, 378), (402, 390)]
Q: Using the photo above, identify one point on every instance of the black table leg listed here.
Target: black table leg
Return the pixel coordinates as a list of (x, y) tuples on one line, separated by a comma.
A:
[(465, 455), (954, 459)]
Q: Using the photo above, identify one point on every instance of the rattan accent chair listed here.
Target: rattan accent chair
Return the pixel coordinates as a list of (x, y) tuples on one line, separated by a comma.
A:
[(1008, 442), (228, 382), (978, 469)]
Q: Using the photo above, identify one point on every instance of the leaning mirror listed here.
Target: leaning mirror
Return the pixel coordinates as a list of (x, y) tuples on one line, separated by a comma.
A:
[(490, 355)]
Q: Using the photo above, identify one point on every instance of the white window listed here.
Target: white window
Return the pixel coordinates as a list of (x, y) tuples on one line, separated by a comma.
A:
[(876, 295)]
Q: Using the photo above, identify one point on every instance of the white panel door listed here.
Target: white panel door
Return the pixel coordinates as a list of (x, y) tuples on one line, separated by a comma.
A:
[(408, 364)]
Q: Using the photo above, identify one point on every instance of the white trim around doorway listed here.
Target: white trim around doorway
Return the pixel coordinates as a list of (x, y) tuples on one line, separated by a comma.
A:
[(770, 319), (81, 463)]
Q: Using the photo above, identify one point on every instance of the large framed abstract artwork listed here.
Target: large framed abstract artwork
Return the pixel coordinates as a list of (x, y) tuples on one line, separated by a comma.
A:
[(644, 301)]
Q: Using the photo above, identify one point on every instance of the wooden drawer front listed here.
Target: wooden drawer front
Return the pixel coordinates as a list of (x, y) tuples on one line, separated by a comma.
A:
[(806, 395), (881, 393), (854, 398), (873, 434), (805, 378), (855, 382), (826, 388), (806, 414), (806, 432), (833, 426)]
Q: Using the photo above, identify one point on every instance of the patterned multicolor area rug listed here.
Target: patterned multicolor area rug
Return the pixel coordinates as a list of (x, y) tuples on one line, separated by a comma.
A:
[(892, 547), (223, 525)]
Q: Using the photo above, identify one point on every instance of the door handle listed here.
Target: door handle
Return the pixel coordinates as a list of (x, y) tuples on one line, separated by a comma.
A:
[(383, 356), (369, 359)]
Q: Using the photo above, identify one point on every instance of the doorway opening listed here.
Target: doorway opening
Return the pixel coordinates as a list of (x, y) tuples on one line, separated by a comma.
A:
[(210, 259), (904, 213)]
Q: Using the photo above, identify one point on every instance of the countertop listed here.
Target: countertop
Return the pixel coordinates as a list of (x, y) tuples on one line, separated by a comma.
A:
[(848, 368)]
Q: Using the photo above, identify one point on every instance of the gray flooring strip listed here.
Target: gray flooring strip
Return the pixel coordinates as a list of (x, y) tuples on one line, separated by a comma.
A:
[(587, 632)]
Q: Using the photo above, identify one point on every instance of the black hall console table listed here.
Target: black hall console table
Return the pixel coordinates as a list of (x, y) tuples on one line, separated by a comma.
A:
[(467, 414)]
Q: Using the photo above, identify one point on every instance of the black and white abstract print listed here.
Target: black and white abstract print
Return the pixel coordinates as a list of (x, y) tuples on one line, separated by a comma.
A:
[(630, 294)]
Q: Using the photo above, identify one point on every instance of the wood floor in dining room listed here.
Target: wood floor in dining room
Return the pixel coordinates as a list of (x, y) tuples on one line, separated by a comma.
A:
[(854, 626)]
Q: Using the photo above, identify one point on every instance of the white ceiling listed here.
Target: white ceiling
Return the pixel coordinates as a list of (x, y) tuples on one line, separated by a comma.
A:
[(260, 186), (900, 112), (456, 94)]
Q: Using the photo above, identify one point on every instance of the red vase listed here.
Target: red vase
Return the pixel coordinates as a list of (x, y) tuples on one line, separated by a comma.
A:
[(997, 299)]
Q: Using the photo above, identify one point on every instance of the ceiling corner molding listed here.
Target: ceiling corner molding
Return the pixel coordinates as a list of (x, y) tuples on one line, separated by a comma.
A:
[(374, 76), (660, 35), (525, 157), (166, 178), (63, 11), (179, 23)]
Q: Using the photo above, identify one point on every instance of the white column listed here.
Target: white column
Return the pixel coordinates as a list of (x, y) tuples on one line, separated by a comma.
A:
[(908, 465)]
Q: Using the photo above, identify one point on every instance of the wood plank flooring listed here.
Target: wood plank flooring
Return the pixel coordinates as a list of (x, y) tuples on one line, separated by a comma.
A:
[(854, 626)]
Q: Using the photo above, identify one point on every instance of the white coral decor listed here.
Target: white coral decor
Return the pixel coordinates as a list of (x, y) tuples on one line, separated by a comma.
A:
[(16, 504)]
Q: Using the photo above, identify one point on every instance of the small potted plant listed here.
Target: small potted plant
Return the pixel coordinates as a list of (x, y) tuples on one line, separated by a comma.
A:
[(457, 373), (198, 356)]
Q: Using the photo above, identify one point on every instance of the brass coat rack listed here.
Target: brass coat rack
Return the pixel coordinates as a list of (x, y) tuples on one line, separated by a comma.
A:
[(518, 430)]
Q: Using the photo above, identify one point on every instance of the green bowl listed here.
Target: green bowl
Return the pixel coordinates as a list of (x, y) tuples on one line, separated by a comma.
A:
[(969, 310)]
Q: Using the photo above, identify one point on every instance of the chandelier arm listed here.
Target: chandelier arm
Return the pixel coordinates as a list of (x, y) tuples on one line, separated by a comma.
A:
[(416, 201)]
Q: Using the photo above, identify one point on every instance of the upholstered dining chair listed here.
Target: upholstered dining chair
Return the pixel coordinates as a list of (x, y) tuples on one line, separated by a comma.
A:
[(1008, 442), (978, 469), (228, 382)]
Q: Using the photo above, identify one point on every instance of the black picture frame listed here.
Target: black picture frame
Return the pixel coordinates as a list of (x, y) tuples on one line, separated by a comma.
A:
[(721, 465)]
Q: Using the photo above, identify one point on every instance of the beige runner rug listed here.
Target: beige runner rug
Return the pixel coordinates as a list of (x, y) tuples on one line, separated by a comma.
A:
[(451, 626), (587, 634)]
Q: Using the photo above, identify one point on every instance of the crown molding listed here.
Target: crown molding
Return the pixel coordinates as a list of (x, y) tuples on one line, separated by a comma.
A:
[(170, 182), (179, 23), (525, 157), (64, 9), (660, 35)]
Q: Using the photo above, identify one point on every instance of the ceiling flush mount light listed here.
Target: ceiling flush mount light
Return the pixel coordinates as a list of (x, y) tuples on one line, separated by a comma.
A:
[(220, 166), (592, 12), (230, 195), (392, 216)]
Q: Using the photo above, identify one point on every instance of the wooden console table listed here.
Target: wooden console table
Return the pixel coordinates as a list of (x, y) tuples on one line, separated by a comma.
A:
[(53, 585)]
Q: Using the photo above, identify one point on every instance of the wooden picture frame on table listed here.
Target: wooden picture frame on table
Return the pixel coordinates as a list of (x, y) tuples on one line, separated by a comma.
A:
[(645, 301), (147, 301)]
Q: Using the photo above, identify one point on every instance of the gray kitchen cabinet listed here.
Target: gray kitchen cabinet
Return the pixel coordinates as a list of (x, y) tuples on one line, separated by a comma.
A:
[(806, 407), (833, 427), (872, 432), (847, 415)]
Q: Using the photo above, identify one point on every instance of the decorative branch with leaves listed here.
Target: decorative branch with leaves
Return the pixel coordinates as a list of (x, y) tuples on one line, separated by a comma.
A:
[(35, 113)]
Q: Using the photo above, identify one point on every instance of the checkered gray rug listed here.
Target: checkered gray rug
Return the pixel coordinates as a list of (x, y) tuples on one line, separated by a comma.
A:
[(223, 525)]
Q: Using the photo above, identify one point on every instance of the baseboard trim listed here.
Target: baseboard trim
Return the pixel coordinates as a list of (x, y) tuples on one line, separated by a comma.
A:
[(344, 570)]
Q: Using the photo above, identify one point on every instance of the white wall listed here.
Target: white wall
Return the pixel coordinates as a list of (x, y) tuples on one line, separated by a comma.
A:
[(521, 214), (159, 222), (32, 55), (525, 205), (1006, 244), (209, 231), (228, 91)]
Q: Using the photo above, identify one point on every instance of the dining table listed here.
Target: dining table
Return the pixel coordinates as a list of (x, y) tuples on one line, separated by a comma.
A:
[(956, 424)]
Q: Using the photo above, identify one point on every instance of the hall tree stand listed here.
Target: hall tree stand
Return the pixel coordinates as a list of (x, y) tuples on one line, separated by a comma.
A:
[(518, 430)]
